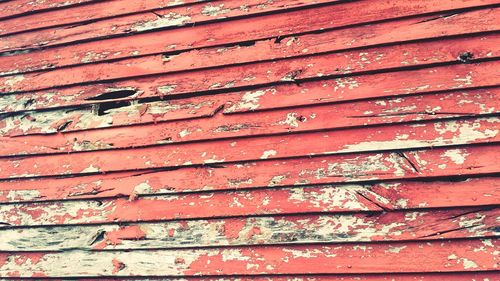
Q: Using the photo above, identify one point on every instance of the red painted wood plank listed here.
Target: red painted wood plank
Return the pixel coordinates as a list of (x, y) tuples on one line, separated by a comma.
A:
[(262, 27), (17, 8), (301, 68), (445, 256), (397, 84), (260, 73), (249, 231), (308, 93), (146, 21), (358, 113), (92, 11), (325, 170), (331, 199), (329, 40), (395, 195), (455, 132), (458, 276)]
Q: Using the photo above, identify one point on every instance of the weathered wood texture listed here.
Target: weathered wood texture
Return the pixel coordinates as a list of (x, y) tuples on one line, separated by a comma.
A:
[(250, 140), (301, 229), (85, 14), (447, 256), (460, 276), (15, 8), (273, 26)]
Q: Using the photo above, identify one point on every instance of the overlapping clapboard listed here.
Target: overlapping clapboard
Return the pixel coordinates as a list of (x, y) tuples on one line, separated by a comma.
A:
[(285, 139)]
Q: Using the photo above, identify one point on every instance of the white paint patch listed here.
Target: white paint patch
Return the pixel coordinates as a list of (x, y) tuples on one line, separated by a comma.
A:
[(170, 19), (184, 133), (268, 153), (250, 100), (290, 120), (166, 89), (14, 80), (458, 156), (90, 169), (395, 250), (214, 11)]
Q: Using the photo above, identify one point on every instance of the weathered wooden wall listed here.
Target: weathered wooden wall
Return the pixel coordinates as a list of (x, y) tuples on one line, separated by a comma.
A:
[(250, 140)]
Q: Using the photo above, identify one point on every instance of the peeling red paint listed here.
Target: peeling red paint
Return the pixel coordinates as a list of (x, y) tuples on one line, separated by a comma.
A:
[(290, 140)]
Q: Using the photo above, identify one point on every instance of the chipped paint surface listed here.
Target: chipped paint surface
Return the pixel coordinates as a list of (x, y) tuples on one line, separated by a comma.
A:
[(290, 140)]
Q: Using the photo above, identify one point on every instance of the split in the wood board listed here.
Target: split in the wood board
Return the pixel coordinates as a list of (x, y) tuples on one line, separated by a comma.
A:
[(392, 137), (113, 55), (21, 84), (91, 184), (50, 65), (398, 110), (36, 46), (171, 17), (56, 24), (298, 201), (128, 92), (31, 9), (293, 229), (470, 255), (294, 170)]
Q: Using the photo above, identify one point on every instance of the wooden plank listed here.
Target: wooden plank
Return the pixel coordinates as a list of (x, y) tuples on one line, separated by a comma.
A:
[(195, 14), (422, 27), (438, 162), (329, 199), (17, 8), (391, 195), (405, 136), (446, 256), (92, 11), (457, 276), (255, 74), (297, 229), (353, 88), (160, 64), (358, 113), (398, 84), (263, 27)]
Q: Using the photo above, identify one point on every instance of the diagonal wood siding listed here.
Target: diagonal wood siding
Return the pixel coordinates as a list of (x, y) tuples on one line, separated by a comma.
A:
[(250, 140)]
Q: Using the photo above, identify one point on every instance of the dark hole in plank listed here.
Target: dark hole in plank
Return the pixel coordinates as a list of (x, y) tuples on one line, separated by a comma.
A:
[(114, 95), (103, 107)]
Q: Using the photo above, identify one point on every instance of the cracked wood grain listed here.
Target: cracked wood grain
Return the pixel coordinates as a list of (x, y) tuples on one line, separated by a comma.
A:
[(288, 139), (309, 43), (159, 64), (323, 199), (85, 14), (353, 88), (264, 73), (447, 256), (263, 27), (397, 136), (16, 8), (358, 113), (438, 162), (195, 14), (296, 229)]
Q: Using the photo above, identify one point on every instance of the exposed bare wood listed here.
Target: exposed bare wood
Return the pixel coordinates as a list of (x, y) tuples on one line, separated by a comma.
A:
[(15, 8), (268, 26), (358, 113), (84, 14), (447, 256), (302, 229), (333, 169), (422, 27)]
